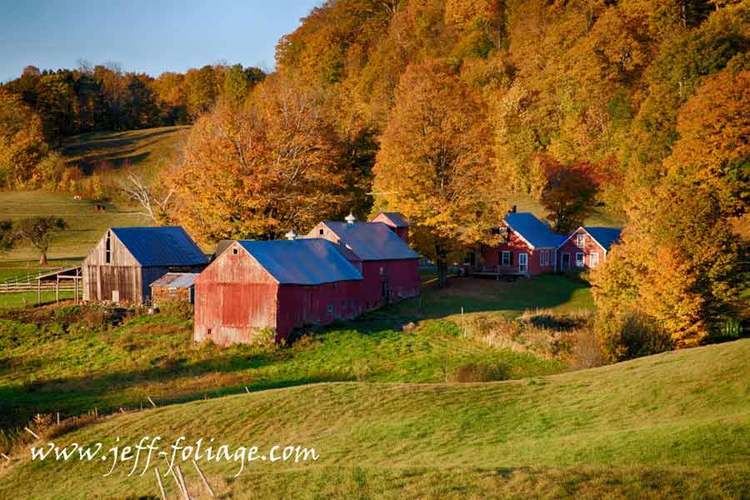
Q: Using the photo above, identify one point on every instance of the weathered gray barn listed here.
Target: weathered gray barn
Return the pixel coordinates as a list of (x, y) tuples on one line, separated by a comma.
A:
[(122, 266)]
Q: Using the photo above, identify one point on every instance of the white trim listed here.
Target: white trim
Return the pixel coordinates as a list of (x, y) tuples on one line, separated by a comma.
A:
[(519, 235), (525, 256)]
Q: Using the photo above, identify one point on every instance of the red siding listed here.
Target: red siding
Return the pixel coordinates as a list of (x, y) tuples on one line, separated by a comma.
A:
[(234, 297), (490, 257), (571, 247)]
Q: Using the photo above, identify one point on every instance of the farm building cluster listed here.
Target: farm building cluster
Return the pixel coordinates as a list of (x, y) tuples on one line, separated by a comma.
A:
[(339, 270)]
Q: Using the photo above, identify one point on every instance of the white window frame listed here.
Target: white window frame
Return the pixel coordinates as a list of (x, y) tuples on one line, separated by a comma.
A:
[(580, 263), (523, 262), (544, 257), (580, 240), (594, 259), (505, 258)]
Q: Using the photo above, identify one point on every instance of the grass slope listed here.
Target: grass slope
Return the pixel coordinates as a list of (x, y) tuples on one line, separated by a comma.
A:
[(62, 360), (147, 151), (675, 424)]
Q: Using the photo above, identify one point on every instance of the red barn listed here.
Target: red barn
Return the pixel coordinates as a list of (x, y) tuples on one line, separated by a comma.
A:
[(389, 267), (530, 248), (586, 247), (275, 285), (396, 221)]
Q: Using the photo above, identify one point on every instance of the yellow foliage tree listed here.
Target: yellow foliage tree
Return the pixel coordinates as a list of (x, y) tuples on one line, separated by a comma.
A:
[(434, 162), (22, 144)]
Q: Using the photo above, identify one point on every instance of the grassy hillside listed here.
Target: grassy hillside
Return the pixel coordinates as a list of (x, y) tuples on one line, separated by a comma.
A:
[(71, 360), (147, 150), (676, 424)]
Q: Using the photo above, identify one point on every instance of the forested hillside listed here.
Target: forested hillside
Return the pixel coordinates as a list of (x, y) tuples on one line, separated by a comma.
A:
[(447, 110)]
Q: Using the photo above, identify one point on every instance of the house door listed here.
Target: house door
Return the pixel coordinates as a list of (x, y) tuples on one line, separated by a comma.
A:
[(523, 262), (565, 261)]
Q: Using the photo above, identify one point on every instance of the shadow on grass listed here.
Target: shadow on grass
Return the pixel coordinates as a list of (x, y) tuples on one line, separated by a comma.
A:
[(472, 295)]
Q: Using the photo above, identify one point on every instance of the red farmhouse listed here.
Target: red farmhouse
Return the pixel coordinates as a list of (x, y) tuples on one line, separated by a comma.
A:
[(586, 247), (530, 248), (276, 285), (389, 267)]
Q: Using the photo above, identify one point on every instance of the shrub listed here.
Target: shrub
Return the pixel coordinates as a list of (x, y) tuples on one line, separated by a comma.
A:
[(631, 335), (479, 372)]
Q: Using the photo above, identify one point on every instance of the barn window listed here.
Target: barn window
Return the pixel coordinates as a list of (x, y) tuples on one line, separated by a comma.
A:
[(208, 331), (108, 248), (320, 232), (235, 251)]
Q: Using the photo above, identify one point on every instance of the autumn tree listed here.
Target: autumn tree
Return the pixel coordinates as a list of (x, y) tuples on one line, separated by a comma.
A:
[(259, 171), (683, 258), (433, 163), (22, 144), (39, 231), (7, 237), (569, 193)]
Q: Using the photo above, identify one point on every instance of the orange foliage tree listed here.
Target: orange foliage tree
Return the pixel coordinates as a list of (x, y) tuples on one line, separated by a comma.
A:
[(569, 193), (683, 259), (434, 162), (262, 170)]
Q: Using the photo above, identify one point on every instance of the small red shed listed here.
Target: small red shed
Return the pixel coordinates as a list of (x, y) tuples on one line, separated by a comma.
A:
[(396, 221), (277, 285), (389, 267)]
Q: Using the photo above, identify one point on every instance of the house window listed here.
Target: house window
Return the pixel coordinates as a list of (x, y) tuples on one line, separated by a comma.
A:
[(580, 240), (579, 259), (108, 249), (523, 262), (543, 257), (505, 258), (382, 271), (330, 308), (594, 259), (235, 251)]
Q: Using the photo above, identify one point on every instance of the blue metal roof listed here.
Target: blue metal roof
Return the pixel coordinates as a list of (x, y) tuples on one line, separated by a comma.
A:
[(160, 246), (533, 230), (309, 261), (605, 236), (372, 241)]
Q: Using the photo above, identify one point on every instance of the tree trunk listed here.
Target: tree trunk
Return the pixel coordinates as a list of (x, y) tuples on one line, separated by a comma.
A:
[(43, 259), (441, 260)]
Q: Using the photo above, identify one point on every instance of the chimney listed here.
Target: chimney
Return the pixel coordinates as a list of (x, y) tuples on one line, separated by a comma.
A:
[(513, 209), (291, 235), (350, 218)]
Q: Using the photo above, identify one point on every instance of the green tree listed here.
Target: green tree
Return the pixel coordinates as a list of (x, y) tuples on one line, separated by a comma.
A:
[(39, 231)]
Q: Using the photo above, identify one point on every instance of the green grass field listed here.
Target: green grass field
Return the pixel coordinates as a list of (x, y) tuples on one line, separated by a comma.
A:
[(64, 360), (671, 425)]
